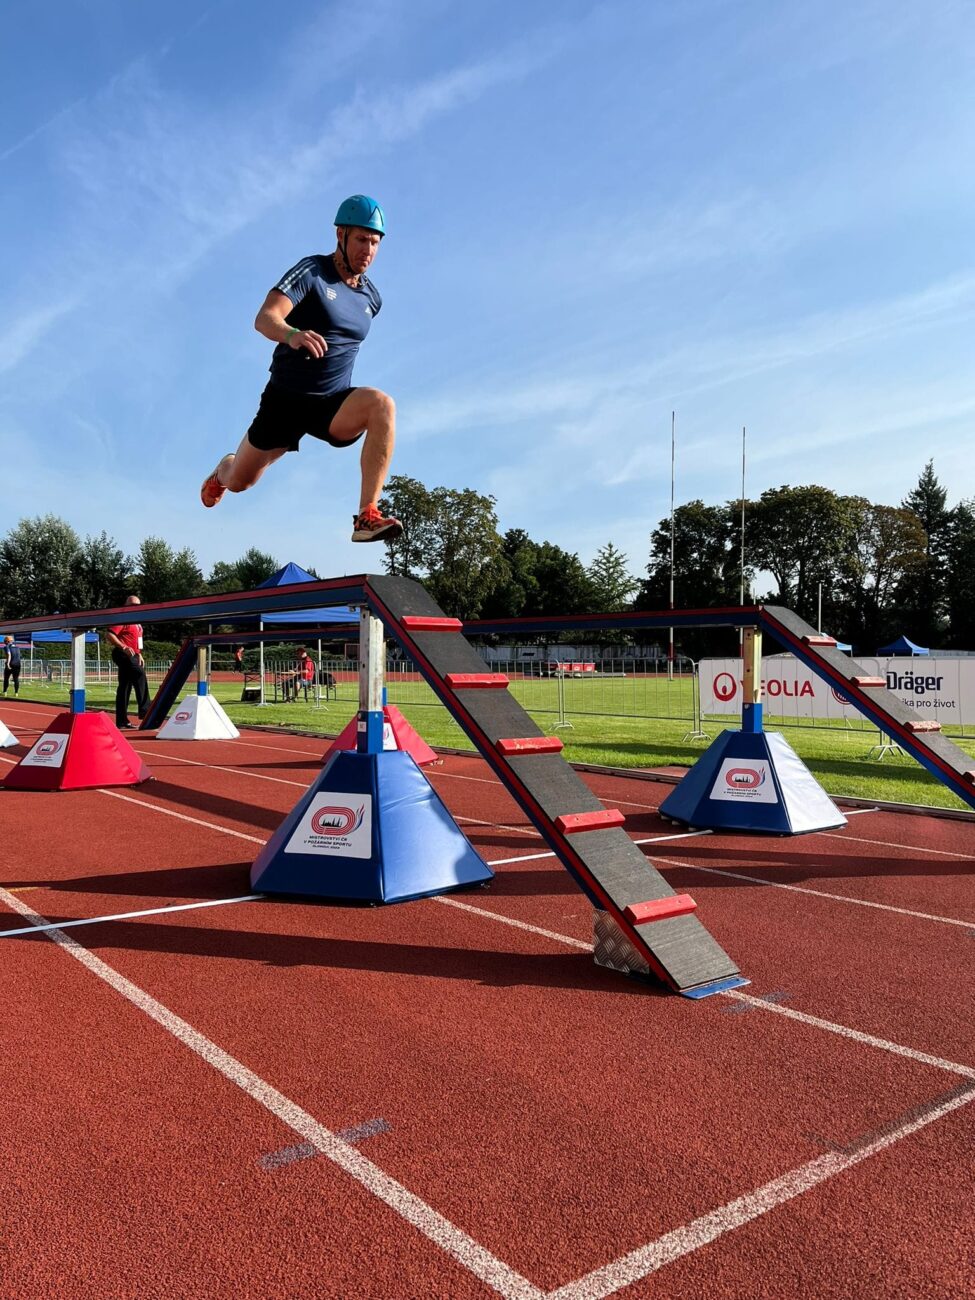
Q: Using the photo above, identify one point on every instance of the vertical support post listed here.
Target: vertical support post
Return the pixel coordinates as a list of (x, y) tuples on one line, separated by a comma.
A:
[(369, 730), (202, 685), (260, 626), (751, 705), (77, 672)]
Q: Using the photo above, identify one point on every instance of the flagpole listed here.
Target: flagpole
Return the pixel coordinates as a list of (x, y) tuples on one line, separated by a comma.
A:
[(670, 642), (741, 585)]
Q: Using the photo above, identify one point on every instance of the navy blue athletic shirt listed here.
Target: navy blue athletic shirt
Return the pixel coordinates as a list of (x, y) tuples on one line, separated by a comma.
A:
[(342, 315)]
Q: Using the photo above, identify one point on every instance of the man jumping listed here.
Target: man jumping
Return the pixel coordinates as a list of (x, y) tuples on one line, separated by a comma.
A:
[(318, 313)]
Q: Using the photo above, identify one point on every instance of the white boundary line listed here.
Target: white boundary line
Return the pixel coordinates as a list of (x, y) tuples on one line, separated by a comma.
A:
[(451, 1239), (218, 767), (886, 844), (127, 916), (815, 1022), (601, 1282), (645, 1260), (183, 817), (816, 893)]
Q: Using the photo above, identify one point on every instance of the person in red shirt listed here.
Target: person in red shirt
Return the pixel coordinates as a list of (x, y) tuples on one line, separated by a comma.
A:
[(306, 670), (126, 642)]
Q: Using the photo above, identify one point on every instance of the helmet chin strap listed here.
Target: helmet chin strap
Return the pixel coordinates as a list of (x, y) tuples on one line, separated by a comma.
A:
[(344, 246)]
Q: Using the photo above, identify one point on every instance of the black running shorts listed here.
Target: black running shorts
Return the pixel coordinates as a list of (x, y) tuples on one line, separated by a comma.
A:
[(284, 418)]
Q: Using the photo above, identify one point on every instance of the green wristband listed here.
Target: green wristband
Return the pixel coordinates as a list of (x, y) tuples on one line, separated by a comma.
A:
[(291, 333)]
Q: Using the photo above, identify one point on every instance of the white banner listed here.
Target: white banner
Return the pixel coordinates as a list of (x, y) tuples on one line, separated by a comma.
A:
[(941, 689)]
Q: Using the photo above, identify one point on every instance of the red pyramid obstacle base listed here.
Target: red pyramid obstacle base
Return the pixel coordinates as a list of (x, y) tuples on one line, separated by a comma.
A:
[(78, 751), (397, 734)]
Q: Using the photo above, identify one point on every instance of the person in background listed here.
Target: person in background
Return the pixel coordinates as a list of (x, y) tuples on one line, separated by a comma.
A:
[(306, 670), (126, 642), (239, 658), (11, 665)]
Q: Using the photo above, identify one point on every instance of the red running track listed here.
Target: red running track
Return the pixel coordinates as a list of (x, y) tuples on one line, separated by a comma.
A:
[(282, 1100)]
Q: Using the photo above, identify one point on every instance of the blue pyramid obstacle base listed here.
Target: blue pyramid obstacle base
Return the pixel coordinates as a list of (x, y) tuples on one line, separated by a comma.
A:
[(370, 829), (752, 781)]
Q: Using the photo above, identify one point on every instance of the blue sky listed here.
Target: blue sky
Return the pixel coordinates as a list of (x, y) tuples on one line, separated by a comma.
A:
[(754, 214)]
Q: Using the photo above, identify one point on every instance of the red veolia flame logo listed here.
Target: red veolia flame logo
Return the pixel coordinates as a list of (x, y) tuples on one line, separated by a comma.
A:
[(725, 686), (337, 821), (745, 778)]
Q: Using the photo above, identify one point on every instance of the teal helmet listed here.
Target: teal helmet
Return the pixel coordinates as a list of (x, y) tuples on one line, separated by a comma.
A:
[(361, 210)]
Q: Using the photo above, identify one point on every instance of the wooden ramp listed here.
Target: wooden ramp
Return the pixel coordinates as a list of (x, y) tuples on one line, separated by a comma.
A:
[(587, 838), (920, 737)]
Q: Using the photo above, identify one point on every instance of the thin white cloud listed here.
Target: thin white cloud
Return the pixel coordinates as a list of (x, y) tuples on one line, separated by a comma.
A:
[(159, 185), (24, 334), (696, 367)]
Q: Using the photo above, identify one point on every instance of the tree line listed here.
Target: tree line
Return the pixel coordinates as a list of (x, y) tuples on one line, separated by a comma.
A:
[(870, 571)]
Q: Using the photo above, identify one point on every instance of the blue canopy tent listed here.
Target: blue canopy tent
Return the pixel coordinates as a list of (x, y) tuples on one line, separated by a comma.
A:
[(44, 638), (294, 573), (48, 638), (903, 646), (286, 575)]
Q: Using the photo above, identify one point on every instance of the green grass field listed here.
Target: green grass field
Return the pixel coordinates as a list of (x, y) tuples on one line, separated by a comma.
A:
[(621, 735)]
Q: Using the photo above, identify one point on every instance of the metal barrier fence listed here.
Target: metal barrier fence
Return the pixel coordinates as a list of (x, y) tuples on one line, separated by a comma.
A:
[(57, 672), (621, 688), (630, 688)]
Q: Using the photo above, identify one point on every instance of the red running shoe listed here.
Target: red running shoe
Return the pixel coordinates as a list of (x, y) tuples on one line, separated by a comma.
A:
[(211, 493), (371, 526)]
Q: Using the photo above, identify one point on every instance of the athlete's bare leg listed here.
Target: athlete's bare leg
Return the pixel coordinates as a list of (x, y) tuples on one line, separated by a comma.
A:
[(374, 411)]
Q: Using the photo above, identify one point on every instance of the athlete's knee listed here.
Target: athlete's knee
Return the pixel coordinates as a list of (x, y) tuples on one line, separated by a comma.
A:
[(380, 405)]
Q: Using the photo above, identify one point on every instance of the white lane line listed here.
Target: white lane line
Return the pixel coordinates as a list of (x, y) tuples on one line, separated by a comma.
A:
[(21, 709), (183, 817), (759, 880), (686, 835), (500, 826), (815, 893), (643, 1261), (600, 1283), (906, 848), (126, 916), (510, 920), (525, 857), (855, 1035), (816, 1022), (534, 857), (314, 751), (216, 767), (451, 1239)]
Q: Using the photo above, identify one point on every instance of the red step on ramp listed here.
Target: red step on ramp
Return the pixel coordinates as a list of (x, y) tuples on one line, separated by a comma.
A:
[(397, 734), (78, 751)]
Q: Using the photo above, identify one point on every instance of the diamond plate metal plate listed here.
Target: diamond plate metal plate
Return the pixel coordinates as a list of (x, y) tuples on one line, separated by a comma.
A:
[(611, 947)]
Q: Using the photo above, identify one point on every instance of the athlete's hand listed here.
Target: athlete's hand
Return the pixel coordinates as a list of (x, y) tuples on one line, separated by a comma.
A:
[(310, 341)]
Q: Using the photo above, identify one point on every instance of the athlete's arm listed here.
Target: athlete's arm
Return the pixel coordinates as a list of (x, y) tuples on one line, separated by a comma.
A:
[(272, 323)]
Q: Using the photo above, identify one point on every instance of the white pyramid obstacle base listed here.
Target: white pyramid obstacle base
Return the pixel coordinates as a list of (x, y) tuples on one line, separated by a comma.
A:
[(199, 717), (7, 737)]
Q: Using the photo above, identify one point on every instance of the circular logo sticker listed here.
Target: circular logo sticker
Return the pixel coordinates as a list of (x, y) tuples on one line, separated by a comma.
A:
[(725, 686), (336, 821), (744, 778), (46, 748)]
